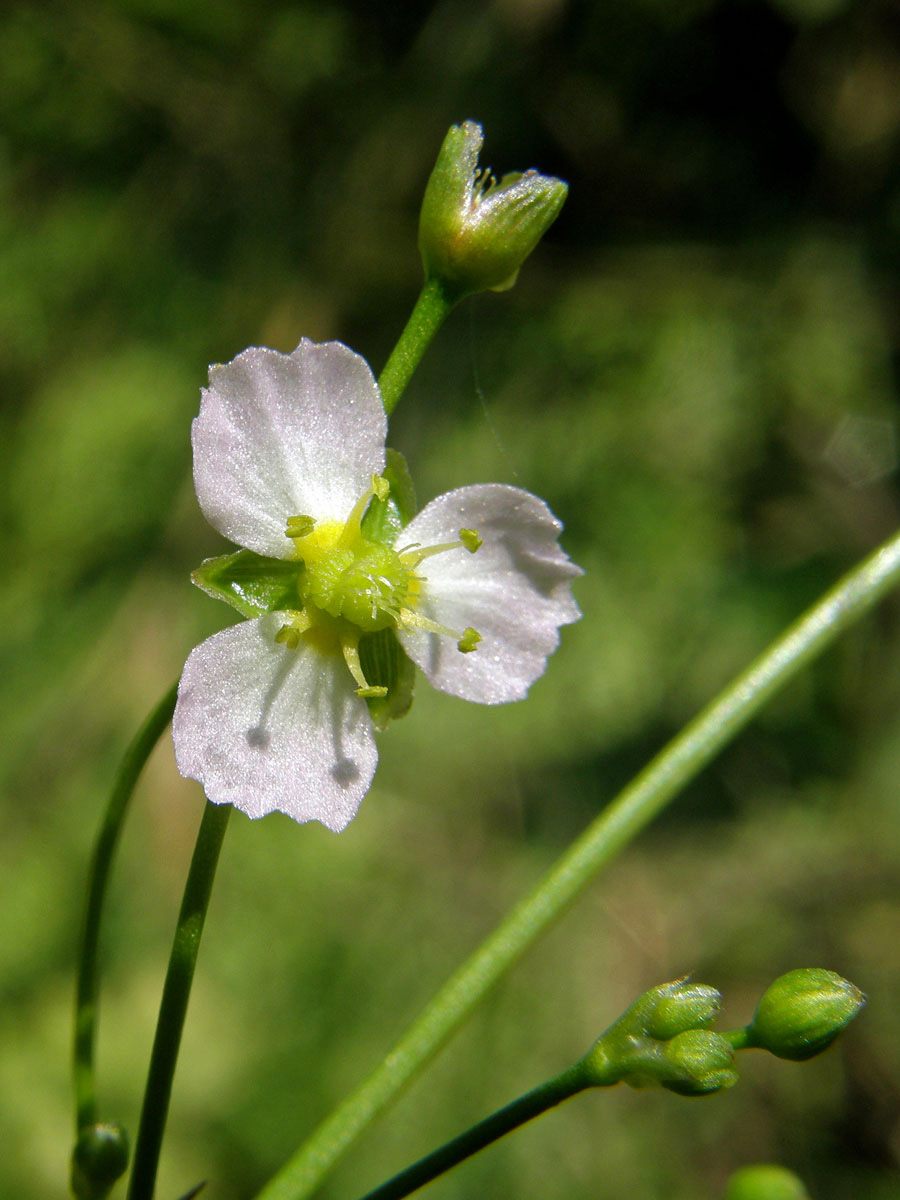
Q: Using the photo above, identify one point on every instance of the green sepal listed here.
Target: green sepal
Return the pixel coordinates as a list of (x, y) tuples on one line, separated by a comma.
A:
[(384, 519), (249, 582), (385, 664)]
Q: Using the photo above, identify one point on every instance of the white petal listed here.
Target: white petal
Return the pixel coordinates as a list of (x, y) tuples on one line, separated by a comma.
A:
[(270, 729), (515, 591), (283, 434)]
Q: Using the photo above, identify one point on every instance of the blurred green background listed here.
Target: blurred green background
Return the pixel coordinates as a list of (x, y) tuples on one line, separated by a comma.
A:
[(698, 370)]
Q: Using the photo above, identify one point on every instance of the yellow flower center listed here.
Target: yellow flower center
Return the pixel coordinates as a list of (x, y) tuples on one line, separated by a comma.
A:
[(364, 586)]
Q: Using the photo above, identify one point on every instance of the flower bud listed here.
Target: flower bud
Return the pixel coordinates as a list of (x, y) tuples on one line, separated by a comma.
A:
[(679, 1006), (650, 1045), (669, 1009), (98, 1160), (802, 1012), (765, 1181), (475, 233), (698, 1062)]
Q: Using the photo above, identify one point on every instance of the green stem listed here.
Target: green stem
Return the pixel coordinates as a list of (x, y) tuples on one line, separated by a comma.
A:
[(526, 1108), (740, 1039), (176, 992), (432, 307), (676, 765), (86, 994)]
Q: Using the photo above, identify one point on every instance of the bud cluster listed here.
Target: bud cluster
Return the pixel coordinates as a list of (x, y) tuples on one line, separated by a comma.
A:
[(664, 1038)]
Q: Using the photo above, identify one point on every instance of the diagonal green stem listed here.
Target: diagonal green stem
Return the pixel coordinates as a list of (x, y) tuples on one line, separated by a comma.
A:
[(86, 995), (675, 766), (176, 993), (496, 1126), (426, 318)]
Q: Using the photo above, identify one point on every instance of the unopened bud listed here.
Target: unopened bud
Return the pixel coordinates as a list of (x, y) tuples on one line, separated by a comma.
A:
[(699, 1062), (802, 1012), (669, 1009), (680, 1006), (98, 1160), (475, 233), (662, 1040)]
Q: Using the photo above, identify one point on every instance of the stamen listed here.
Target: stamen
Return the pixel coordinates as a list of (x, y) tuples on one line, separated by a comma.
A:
[(468, 641), (380, 489), (350, 651), (465, 643), (414, 620), (290, 633), (288, 636), (412, 555), (299, 526)]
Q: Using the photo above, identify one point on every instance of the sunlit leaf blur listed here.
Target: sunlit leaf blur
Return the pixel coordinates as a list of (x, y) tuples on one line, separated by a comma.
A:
[(697, 369)]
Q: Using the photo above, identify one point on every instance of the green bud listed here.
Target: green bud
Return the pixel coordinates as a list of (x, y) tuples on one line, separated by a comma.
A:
[(679, 1006), (650, 1045), (669, 1009), (802, 1012), (475, 233), (765, 1181), (698, 1061), (98, 1160)]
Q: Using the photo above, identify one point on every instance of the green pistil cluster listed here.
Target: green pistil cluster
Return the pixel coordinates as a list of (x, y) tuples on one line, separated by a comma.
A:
[(366, 584), (362, 586)]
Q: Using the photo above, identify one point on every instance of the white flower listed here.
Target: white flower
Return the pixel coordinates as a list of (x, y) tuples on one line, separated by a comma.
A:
[(288, 454)]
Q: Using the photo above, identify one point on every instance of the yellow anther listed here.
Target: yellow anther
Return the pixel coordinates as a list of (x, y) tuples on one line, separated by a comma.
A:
[(470, 539), (292, 630), (469, 640), (381, 489), (299, 526)]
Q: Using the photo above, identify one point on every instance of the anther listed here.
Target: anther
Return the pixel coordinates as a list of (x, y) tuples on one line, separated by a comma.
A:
[(469, 640), (299, 526), (470, 539), (288, 636), (290, 633)]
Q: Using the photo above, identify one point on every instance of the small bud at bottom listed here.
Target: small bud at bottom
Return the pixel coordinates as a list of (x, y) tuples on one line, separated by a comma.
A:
[(100, 1158), (765, 1181)]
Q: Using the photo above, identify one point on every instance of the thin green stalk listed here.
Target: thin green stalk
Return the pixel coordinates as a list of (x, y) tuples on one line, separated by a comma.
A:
[(739, 1039), (426, 318), (87, 989), (526, 1108), (675, 766), (176, 993)]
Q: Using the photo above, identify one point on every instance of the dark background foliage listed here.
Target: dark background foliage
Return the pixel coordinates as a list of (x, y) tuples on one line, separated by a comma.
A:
[(697, 369)]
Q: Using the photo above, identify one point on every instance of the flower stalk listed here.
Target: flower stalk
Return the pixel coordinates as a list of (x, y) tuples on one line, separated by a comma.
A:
[(176, 992), (87, 988), (432, 308), (539, 1100)]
